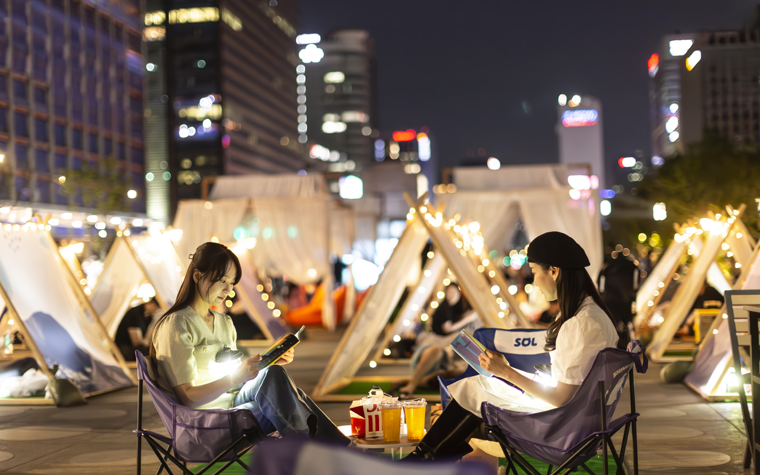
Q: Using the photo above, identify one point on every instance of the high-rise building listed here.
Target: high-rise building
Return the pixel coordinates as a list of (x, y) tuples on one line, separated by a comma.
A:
[(338, 115), (665, 94), (711, 85), (221, 81), (580, 133), (71, 105)]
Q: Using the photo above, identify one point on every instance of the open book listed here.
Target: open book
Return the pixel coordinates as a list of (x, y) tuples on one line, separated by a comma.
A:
[(279, 348), (470, 349)]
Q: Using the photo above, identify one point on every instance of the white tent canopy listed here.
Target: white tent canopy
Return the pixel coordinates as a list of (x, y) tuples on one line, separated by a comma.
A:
[(296, 224), (540, 210), (368, 324), (134, 261), (53, 314)]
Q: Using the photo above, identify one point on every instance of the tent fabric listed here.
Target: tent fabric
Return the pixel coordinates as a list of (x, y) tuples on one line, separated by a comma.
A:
[(661, 273), (715, 352), (268, 186), (306, 457), (200, 223), (540, 211), (375, 310), (117, 286), (255, 306), (511, 178), (163, 267), (687, 292), (56, 315)]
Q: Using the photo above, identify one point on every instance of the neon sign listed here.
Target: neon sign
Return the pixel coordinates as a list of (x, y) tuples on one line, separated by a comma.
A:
[(653, 64), (580, 118), (404, 135)]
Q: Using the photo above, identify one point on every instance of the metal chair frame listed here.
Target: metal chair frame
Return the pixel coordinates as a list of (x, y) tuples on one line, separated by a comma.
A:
[(514, 459)]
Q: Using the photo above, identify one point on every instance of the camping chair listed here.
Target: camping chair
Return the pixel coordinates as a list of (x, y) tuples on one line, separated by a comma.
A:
[(523, 349), (743, 309), (297, 456), (196, 436), (569, 436)]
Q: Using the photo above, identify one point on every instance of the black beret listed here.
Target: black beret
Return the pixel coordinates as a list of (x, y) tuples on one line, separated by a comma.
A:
[(557, 250)]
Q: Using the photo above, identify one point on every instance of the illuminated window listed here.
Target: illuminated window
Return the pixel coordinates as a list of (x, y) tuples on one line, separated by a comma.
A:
[(154, 18), (229, 18), (194, 15), (335, 77)]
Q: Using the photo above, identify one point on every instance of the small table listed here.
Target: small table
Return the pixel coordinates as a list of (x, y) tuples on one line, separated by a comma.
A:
[(380, 444)]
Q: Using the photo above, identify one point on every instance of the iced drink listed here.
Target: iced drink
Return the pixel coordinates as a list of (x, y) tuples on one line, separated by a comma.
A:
[(391, 414), (415, 419)]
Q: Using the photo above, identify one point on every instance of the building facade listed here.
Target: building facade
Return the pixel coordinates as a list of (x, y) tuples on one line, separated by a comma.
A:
[(710, 83), (580, 134), (71, 105), (338, 113), (222, 85)]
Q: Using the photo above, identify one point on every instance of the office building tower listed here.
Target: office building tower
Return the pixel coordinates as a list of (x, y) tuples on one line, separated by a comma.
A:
[(580, 134), (221, 81), (71, 105), (338, 109), (665, 94), (712, 86)]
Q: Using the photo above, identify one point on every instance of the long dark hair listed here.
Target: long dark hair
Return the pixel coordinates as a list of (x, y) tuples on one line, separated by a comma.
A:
[(212, 260), (573, 286)]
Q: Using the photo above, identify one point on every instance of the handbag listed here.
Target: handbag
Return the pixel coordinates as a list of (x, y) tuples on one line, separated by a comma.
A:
[(63, 391)]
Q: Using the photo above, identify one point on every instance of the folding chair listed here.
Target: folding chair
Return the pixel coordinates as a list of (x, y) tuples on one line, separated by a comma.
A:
[(523, 349), (743, 310), (569, 436), (196, 436), (296, 456)]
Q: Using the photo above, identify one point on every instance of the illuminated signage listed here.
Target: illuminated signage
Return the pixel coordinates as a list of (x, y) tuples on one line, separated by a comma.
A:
[(423, 146), (679, 47), (193, 15), (653, 64), (580, 118), (693, 59), (232, 20), (308, 38), (404, 135), (154, 18)]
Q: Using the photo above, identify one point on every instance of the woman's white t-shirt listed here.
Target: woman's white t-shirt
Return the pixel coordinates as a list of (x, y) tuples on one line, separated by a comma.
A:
[(579, 340)]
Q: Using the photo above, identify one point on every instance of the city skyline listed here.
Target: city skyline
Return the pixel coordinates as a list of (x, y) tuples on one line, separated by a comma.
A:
[(512, 113)]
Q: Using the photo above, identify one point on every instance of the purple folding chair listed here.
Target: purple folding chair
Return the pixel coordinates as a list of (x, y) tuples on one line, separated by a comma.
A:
[(301, 456), (569, 436), (197, 436)]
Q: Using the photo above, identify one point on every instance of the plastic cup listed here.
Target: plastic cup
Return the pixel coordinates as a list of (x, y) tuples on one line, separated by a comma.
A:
[(414, 411), (391, 414)]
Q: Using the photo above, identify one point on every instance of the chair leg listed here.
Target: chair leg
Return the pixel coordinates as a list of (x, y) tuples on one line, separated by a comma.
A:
[(161, 468), (588, 470), (549, 470), (620, 470), (747, 456), (236, 459), (170, 457)]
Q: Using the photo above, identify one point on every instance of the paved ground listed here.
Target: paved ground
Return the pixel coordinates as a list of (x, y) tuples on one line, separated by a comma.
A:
[(679, 432)]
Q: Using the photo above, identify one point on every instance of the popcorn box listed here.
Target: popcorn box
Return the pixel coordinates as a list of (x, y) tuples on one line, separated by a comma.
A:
[(365, 420)]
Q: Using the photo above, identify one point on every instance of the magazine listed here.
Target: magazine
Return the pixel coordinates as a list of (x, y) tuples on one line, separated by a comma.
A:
[(470, 349), (279, 348)]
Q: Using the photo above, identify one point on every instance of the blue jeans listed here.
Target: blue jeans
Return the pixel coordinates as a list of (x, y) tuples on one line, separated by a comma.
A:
[(280, 406)]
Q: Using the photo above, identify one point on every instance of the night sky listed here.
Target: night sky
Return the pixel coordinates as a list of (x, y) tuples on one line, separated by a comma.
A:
[(487, 73)]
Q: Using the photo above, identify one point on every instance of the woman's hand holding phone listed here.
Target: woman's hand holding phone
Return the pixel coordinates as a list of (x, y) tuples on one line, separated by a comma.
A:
[(247, 370)]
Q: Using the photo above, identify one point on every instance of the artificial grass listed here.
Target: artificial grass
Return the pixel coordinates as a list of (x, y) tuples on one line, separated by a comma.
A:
[(595, 464), (363, 387)]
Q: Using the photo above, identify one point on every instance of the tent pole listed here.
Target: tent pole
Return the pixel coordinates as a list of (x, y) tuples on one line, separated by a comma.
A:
[(78, 289), (25, 333)]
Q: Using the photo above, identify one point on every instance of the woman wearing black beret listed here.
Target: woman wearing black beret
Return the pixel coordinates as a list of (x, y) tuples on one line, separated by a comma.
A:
[(583, 327)]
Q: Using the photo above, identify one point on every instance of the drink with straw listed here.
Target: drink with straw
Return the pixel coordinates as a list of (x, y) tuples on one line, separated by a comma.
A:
[(414, 410), (391, 414)]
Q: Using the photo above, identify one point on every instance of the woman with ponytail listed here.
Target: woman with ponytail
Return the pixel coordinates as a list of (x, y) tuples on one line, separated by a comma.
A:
[(188, 337), (580, 331)]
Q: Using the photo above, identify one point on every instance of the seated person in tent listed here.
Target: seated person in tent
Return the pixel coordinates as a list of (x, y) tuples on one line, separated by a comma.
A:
[(434, 356), (135, 329), (245, 327), (584, 327), (189, 336), (708, 297)]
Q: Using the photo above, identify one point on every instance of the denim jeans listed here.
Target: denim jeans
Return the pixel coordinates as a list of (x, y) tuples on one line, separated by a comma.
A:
[(280, 406)]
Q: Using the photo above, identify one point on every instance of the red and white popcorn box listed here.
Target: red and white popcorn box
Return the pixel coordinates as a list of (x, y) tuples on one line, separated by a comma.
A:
[(366, 420)]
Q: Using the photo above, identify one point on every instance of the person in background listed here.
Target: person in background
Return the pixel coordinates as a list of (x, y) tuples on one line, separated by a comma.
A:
[(618, 282), (708, 297), (434, 356), (548, 315), (136, 329)]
